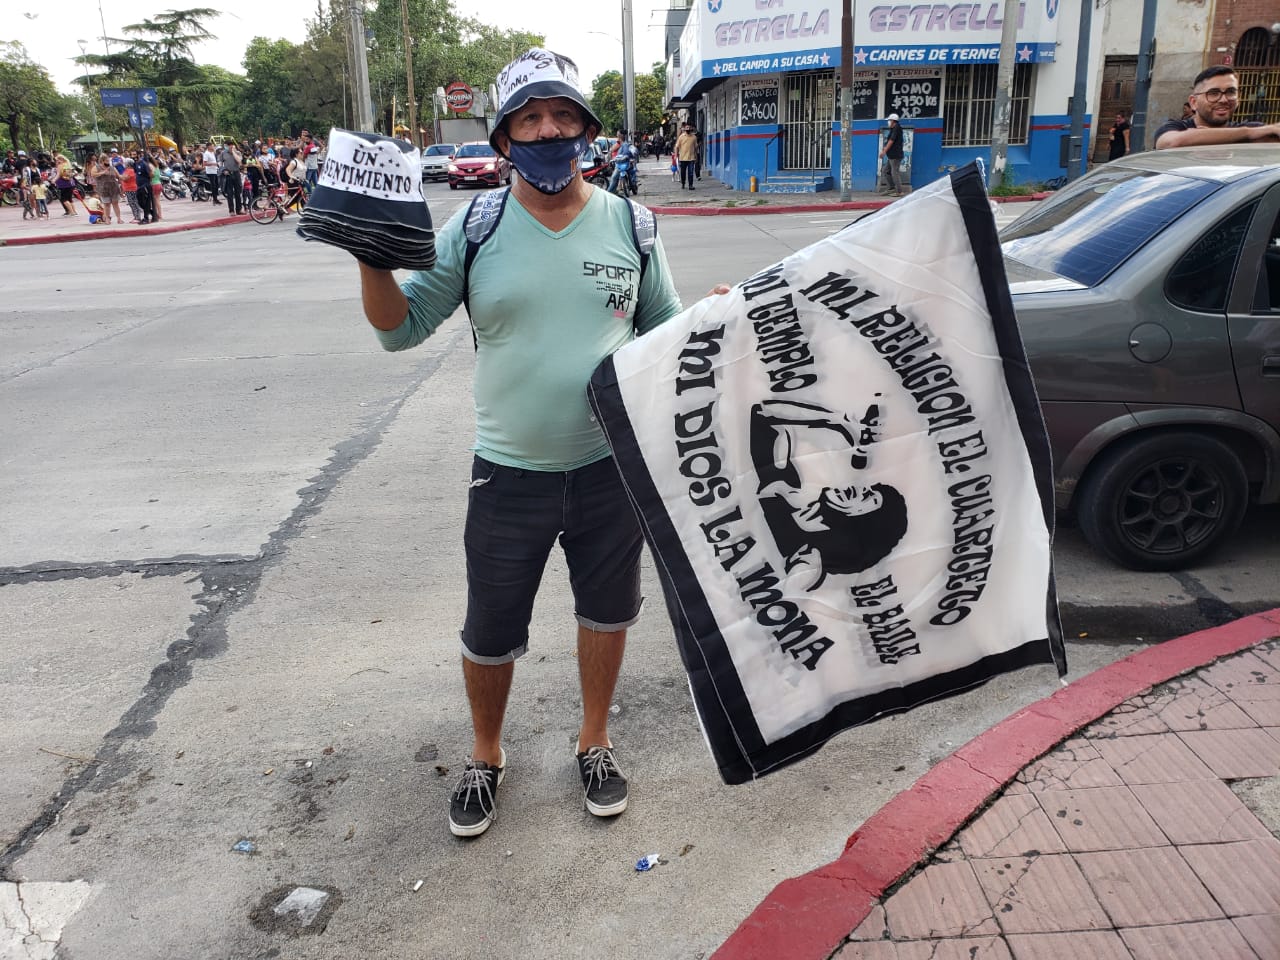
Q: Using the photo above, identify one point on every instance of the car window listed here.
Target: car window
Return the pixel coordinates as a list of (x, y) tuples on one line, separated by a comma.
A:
[(1092, 227), (439, 149), (1267, 297), (1201, 279), (475, 150)]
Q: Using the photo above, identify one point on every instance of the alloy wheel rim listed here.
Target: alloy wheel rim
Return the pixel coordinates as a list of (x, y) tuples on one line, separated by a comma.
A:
[(1172, 505)]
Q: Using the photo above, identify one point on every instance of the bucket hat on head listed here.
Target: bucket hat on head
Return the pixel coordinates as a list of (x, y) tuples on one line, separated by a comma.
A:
[(538, 74)]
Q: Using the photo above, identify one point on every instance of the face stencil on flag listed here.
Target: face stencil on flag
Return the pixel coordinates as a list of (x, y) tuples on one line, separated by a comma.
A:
[(842, 470)]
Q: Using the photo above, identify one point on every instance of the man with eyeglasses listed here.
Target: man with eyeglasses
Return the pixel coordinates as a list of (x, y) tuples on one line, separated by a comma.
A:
[(1214, 96)]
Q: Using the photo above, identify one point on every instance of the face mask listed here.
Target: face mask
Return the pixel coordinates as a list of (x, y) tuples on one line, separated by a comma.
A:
[(548, 165)]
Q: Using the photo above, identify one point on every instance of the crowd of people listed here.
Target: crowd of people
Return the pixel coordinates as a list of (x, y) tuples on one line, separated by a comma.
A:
[(234, 171)]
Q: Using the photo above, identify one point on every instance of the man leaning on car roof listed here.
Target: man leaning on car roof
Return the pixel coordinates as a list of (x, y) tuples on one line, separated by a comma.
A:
[(1214, 95)]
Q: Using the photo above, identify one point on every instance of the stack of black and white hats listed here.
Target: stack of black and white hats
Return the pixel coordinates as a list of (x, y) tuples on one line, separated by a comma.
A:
[(368, 201)]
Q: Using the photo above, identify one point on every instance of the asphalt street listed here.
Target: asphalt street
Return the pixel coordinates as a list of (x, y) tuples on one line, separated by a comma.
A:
[(230, 587)]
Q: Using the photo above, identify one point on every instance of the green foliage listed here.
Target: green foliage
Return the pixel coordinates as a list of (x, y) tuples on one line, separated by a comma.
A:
[(607, 100), (1009, 186), (28, 98), (160, 53), (446, 47)]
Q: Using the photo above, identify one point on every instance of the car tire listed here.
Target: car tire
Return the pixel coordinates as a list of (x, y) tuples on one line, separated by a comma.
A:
[(1163, 501), (452, 185)]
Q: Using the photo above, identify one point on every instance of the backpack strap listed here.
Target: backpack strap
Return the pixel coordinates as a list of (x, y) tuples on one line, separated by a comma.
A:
[(644, 233), (482, 219)]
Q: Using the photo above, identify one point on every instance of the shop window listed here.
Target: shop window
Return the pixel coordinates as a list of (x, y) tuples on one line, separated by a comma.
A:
[(969, 105)]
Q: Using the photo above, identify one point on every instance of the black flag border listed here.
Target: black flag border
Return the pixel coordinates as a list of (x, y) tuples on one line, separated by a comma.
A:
[(719, 694)]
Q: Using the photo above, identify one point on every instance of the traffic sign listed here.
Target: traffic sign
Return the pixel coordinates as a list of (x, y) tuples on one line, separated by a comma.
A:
[(459, 97), (128, 96), (147, 117)]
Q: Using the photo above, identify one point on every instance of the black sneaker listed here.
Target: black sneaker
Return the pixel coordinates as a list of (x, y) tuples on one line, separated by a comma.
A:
[(473, 805), (602, 779)]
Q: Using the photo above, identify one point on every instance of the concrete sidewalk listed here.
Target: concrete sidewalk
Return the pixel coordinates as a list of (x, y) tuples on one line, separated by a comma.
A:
[(176, 216), (1134, 814)]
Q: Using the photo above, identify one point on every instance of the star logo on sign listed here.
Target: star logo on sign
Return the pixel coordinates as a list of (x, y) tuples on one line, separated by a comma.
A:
[(859, 56), (716, 69), (714, 5), (825, 59), (1024, 55)]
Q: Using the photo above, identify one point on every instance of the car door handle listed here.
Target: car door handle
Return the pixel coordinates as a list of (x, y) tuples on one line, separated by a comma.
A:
[(1271, 366)]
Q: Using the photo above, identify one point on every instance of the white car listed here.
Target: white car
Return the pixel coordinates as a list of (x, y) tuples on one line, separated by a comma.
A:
[(435, 160)]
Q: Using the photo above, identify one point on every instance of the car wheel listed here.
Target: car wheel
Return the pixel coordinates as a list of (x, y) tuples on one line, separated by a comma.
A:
[(1162, 501), (452, 185)]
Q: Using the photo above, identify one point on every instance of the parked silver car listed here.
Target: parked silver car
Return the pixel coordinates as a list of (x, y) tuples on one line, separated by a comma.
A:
[(435, 160), (1148, 295)]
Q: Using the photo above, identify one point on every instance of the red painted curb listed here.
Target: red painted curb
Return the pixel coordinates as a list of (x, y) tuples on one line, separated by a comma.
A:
[(753, 211), (105, 234), (804, 208), (808, 917)]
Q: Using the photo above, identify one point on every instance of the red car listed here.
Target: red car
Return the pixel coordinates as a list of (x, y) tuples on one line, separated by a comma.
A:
[(476, 165)]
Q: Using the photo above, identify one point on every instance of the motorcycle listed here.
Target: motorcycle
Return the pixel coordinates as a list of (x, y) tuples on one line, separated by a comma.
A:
[(173, 184), (199, 188), (9, 193), (627, 184), (597, 169)]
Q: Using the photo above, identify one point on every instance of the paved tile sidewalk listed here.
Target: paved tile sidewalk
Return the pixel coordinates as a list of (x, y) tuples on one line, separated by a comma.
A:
[(1151, 833)]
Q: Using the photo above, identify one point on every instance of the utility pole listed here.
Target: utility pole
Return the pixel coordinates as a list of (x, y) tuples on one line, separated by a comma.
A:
[(408, 72), (628, 70), (1075, 144), (1146, 64), (361, 107), (1004, 86), (88, 89), (846, 101)]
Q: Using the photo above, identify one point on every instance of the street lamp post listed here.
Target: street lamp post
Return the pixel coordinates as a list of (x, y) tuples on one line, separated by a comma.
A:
[(628, 70), (88, 89)]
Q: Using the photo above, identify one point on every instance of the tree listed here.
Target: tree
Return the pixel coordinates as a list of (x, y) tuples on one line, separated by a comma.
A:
[(27, 95), (651, 91), (160, 53), (607, 101), (446, 47)]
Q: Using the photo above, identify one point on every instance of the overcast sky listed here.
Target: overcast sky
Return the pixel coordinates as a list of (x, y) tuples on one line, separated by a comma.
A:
[(50, 31)]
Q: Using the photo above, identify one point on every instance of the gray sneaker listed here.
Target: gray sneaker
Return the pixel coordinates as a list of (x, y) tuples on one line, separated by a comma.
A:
[(473, 805), (602, 780)]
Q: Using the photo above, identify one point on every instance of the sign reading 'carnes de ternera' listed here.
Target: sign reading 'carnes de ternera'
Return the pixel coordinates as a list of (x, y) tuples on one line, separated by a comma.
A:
[(843, 473)]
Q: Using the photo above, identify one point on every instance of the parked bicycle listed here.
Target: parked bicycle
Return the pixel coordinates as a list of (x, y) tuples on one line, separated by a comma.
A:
[(276, 203)]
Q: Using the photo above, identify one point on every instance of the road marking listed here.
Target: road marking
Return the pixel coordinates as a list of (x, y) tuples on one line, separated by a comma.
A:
[(33, 915)]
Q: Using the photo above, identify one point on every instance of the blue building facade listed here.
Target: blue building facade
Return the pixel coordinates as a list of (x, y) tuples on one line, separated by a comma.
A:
[(759, 79)]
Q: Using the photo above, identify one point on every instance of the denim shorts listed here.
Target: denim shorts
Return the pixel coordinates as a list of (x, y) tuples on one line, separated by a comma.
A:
[(513, 519)]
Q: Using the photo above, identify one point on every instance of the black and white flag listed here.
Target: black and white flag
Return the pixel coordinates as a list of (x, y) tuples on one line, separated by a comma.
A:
[(843, 474)]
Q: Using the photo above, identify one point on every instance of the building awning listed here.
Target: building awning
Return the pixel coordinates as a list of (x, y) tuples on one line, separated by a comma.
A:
[(694, 93)]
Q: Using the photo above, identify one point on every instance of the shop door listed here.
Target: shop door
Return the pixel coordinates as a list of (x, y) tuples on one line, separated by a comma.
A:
[(809, 112), (1119, 78)]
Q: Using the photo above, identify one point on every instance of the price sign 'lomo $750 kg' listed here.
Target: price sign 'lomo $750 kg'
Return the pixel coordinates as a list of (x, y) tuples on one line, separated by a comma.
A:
[(759, 101), (912, 97)]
